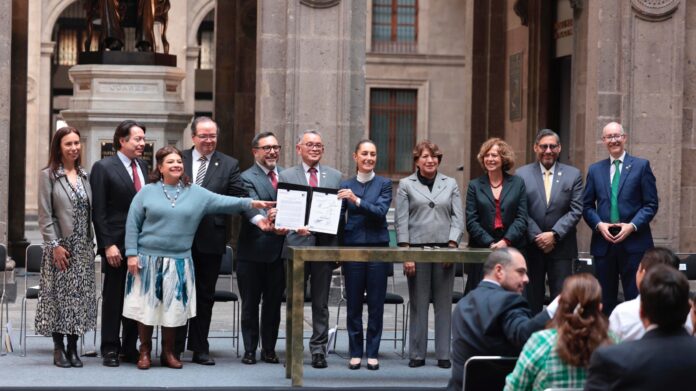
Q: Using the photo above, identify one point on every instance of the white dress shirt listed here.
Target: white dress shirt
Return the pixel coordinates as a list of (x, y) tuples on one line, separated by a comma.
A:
[(196, 164), (127, 163), (306, 168), (612, 168), (543, 172), (625, 321)]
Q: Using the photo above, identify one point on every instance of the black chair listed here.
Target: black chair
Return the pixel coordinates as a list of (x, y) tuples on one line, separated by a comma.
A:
[(34, 256), (227, 295), (3, 301), (583, 264), (487, 373), (687, 264)]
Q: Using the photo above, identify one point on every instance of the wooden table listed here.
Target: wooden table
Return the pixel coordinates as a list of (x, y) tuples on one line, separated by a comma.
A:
[(295, 283)]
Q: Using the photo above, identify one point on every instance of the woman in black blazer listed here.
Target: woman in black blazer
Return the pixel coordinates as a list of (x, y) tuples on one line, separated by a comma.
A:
[(368, 198), (496, 206)]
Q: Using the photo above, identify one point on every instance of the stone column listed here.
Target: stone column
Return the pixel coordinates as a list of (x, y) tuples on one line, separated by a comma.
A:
[(18, 132), (629, 67), (311, 74), (5, 97)]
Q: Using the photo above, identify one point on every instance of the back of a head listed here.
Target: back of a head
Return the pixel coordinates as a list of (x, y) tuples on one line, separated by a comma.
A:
[(581, 324), (664, 297), (659, 256)]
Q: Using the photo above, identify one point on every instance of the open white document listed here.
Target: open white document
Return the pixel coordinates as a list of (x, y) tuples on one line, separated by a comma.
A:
[(325, 212), (292, 207)]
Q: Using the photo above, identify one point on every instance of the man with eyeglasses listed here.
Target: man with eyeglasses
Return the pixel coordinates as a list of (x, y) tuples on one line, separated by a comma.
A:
[(218, 173), (554, 204), (310, 173), (260, 271), (619, 201)]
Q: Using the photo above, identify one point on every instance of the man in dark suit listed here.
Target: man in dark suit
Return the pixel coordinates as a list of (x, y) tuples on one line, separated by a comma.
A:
[(494, 319), (260, 271), (665, 358), (554, 208), (218, 173), (310, 173), (619, 201), (115, 180)]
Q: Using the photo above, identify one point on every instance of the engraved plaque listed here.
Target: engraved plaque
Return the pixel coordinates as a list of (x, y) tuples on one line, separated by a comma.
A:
[(107, 149)]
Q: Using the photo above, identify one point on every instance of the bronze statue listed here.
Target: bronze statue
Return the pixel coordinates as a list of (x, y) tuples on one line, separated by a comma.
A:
[(117, 14)]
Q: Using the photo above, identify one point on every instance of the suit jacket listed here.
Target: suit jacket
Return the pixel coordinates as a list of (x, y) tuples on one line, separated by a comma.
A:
[(222, 177), (112, 193), (490, 321), (637, 201), (563, 211), (255, 245), (659, 361), (330, 178), (424, 216), (55, 207), (367, 223), (480, 211)]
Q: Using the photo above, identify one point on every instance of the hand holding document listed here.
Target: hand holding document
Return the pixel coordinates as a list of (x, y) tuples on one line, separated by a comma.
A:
[(291, 205), (300, 207)]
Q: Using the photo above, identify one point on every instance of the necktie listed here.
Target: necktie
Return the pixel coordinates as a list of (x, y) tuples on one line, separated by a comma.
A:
[(136, 178), (313, 180), (200, 175), (274, 181), (547, 185), (614, 215)]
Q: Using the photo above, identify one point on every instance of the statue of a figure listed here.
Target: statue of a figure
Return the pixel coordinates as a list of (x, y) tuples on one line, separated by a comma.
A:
[(117, 14)]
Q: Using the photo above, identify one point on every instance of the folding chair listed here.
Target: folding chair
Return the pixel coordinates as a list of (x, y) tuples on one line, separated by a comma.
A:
[(487, 373), (33, 266), (3, 301), (227, 295)]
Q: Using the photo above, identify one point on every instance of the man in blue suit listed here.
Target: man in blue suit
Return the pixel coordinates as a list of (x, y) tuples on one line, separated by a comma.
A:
[(619, 201)]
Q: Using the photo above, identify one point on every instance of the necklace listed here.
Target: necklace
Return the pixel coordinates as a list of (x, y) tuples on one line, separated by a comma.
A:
[(496, 186), (172, 200)]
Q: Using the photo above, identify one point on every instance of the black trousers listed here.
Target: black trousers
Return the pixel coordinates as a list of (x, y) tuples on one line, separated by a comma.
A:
[(113, 288), (207, 269), (538, 266), (257, 281)]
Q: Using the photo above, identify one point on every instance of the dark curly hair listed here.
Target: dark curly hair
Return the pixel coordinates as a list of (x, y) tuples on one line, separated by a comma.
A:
[(581, 324), (156, 175)]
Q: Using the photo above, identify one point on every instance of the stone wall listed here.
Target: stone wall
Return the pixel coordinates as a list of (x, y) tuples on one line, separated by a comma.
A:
[(5, 56)]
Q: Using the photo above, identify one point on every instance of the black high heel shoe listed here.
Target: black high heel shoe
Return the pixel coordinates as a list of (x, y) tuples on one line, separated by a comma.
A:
[(354, 366), (372, 367)]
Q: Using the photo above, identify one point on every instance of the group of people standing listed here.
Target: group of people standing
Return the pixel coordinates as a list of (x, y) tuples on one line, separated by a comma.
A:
[(153, 230)]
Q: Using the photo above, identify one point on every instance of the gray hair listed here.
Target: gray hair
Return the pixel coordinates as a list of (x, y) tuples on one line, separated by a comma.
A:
[(255, 140), (308, 131), (200, 119), (501, 256), (545, 133)]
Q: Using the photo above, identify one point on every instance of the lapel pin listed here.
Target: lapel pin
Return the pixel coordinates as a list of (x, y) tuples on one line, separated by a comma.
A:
[(560, 173), (216, 163), (628, 167)]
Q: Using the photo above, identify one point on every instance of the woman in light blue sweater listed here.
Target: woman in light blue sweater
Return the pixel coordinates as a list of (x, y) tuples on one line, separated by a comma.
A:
[(162, 221)]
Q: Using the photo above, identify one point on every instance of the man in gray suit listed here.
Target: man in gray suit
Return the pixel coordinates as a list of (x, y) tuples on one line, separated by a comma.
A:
[(260, 271), (554, 204), (310, 173)]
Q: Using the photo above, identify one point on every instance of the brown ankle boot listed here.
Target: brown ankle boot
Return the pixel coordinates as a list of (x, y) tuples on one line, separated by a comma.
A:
[(145, 335), (168, 358)]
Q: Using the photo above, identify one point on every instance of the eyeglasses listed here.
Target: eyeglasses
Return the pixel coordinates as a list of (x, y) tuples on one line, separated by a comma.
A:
[(207, 136), (612, 137), (267, 148), (544, 147), (314, 146)]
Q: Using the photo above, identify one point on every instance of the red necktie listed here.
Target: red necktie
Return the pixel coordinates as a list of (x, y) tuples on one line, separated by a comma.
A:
[(136, 178), (313, 181), (274, 181)]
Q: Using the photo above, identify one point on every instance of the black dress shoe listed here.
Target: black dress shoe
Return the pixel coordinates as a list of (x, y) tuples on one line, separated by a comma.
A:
[(373, 367), (270, 357), (413, 363), (202, 358), (110, 359), (249, 358), (74, 358), (318, 361), (353, 366), (60, 359), (444, 364)]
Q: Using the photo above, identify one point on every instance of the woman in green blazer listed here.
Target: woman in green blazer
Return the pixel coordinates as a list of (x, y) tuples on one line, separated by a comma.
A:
[(496, 206)]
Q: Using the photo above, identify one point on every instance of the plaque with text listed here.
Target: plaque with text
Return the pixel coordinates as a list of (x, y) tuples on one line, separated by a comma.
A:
[(107, 149)]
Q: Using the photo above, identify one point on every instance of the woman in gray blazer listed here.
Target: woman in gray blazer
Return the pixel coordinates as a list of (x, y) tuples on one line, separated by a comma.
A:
[(67, 298), (429, 213)]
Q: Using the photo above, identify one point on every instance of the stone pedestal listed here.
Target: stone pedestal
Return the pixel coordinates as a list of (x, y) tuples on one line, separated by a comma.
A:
[(105, 95)]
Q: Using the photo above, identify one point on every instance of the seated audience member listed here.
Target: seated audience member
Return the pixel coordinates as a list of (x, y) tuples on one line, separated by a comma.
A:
[(625, 321), (692, 313), (558, 356), (494, 319), (665, 358)]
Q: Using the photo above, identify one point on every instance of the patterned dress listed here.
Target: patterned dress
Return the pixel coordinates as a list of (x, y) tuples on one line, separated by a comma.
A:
[(67, 299)]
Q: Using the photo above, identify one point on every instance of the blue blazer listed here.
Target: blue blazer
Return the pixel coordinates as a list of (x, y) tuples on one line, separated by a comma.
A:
[(637, 203), (367, 223)]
